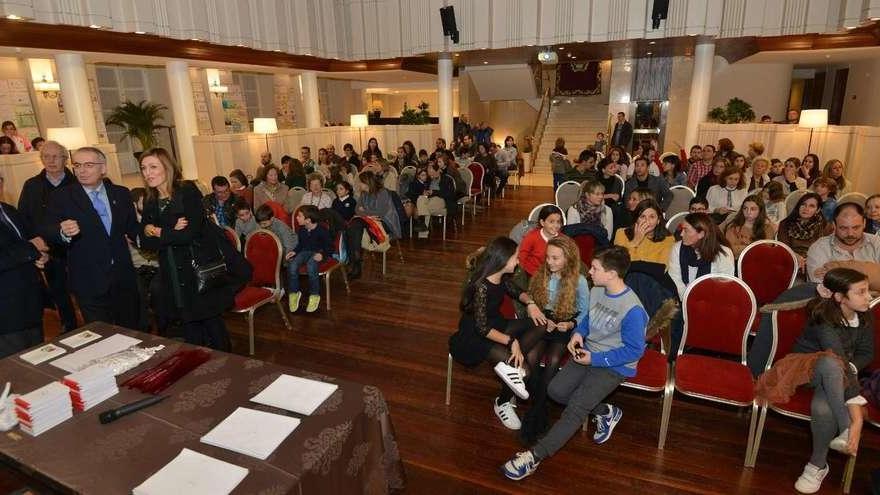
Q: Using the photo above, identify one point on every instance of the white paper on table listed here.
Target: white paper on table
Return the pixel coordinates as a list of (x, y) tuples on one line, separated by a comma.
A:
[(43, 353), (78, 360), (251, 432), (296, 394), (80, 339), (193, 473)]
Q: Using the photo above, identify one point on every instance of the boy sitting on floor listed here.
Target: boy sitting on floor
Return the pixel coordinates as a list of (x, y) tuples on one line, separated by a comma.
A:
[(605, 349)]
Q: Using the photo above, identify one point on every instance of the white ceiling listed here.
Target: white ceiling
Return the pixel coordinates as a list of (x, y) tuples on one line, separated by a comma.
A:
[(503, 82), (814, 57)]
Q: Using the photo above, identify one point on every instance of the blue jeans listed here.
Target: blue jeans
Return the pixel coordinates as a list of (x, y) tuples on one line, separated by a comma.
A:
[(557, 179), (307, 258)]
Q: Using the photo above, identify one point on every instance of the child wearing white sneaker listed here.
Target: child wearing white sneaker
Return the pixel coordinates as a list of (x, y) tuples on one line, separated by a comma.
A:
[(314, 245), (605, 349), (485, 335), (839, 320)]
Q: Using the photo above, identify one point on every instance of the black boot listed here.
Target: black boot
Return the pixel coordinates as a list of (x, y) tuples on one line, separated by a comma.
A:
[(354, 272)]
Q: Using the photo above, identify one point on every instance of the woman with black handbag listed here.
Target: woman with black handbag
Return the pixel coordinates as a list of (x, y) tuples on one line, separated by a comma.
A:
[(197, 284)]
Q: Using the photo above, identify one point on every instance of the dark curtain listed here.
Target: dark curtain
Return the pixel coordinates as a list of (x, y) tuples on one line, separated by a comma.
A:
[(579, 79)]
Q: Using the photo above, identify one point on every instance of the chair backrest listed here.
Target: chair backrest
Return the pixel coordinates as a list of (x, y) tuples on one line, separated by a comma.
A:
[(232, 237), (263, 251), (567, 194), (468, 177), (792, 199), (622, 185), (507, 309), (875, 308), (587, 246), (279, 212), (675, 221), (788, 325), (533, 215), (294, 197), (718, 313), (853, 197), (768, 268), (599, 156), (293, 223), (681, 200), (478, 172), (408, 170)]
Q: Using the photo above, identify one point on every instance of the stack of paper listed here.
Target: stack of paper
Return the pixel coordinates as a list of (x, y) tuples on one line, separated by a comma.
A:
[(43, 408), (91, 386), (193, 474), (296, 394), (251, 432), (81, 358)]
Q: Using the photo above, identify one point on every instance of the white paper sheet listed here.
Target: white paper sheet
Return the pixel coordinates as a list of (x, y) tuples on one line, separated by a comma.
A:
[(78, 360), (296, 394), (43, 353), (80, 339), (251, 432), (193, 473)]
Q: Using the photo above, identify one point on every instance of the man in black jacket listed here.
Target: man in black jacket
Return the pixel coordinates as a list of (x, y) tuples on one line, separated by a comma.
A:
[(95, 219), (21, 306), (32, 206), (623, 132)]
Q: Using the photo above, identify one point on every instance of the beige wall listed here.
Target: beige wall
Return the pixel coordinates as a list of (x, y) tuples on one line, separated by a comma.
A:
[(861, 106), (511, 118), (46, 109), (392, 104), (764, 86), (679, 95)]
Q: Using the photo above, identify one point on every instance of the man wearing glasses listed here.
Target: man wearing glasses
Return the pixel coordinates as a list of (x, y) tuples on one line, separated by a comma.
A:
[(94, 219), (32, 206)]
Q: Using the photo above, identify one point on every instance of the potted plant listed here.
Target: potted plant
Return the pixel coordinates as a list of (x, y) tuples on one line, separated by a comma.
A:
[(411, 116), (140, 121), (736, 111)]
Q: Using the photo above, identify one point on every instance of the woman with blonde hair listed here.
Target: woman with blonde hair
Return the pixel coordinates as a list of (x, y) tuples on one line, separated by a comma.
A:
[(563, 295), (591, 208), (175, 226), (834, 170)]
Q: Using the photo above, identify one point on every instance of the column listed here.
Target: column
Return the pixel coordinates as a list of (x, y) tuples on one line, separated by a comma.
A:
[(701, 86), (312, 110), (185, 124), (75, 91), (444, 95)]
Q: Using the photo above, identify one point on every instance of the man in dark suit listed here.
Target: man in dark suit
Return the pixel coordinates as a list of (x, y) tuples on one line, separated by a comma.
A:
[(32, 206), (95, 219), (21, 301), (623, 132)]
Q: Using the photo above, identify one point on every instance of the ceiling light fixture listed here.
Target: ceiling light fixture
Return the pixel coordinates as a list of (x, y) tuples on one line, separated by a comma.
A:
[(652, 42), (649, 53), (95, 26), (485, 63), (140, 32), (13, 17)]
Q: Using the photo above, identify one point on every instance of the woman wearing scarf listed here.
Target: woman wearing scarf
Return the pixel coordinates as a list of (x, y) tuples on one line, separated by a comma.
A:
[(591, 208), (803, 226), (700, 251)]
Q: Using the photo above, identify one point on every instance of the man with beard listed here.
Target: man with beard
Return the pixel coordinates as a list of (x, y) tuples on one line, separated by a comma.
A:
[(848, 246)]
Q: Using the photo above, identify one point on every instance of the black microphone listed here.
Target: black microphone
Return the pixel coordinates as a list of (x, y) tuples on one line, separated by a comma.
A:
[(114, 414)]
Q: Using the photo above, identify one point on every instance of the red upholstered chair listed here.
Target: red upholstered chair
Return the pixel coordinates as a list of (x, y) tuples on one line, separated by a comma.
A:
[(263, 251), (586, 245), (718, 312), (787, 327), (479, 174), (232, 237), (329, 265), (768, 268), (279, 212)]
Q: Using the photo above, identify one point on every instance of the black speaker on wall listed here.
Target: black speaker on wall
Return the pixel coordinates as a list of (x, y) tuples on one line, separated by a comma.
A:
[(659, 12), (447, 17)]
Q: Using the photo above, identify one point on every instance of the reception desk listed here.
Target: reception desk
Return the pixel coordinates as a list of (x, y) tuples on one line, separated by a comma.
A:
[(856, 146), (16, 169)]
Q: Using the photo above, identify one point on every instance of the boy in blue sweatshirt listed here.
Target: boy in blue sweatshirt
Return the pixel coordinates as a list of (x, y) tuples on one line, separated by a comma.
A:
[(605, 350), (314, 245)]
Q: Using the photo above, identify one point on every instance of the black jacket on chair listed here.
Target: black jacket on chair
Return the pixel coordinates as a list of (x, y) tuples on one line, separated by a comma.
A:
[(95, 259), (21, 304), (178, 298)]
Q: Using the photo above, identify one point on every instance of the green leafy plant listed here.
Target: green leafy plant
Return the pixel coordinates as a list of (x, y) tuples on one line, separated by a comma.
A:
[(139, 120), (735, 112), (415, 116)]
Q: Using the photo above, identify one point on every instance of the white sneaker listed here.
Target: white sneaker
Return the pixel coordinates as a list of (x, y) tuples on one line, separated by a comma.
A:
[(811, 479), (840, 442), (507, 415), (513, 378)]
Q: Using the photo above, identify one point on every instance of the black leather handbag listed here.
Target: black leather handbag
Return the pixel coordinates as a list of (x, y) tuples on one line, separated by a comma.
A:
[(209, 274)]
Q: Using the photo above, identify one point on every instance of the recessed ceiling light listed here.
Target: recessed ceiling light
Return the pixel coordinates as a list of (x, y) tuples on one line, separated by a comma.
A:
[(827, 56), (562, 48), (851, 27), (652, 42), (574, 57), (457, 54), (276, 50), (240, 45), (195, 39), (649, 53), (13, 17), (485, 63), (140, 32), (95, 26)]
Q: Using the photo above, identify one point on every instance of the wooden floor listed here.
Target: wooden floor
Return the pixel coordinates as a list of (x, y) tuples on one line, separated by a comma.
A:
[(392, 332)]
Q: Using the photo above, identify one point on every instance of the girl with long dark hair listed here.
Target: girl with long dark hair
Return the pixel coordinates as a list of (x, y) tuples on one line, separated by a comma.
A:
[(803, 226), (750, 224), (647, 239), (700, 251), (484, 334)]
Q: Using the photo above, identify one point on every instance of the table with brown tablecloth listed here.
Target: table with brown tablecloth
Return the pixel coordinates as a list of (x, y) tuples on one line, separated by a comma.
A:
[(346, 446)]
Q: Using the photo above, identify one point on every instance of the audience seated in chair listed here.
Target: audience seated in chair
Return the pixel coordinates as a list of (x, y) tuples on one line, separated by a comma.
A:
[(375, 201), (748, 225), (533, 248), (700, 251), (314, 245), (591, 208), (270, 188), (849, 246)]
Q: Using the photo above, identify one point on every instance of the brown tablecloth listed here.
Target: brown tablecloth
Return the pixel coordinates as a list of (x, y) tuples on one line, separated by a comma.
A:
[(346, 446)]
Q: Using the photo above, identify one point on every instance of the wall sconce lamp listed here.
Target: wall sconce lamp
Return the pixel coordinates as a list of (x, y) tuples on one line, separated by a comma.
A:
[(217, 89), (50, 89)]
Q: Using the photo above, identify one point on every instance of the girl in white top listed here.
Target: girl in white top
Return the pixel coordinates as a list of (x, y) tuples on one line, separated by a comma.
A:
[(700, 251), (729, 193), (317, 196), (591, 208)]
